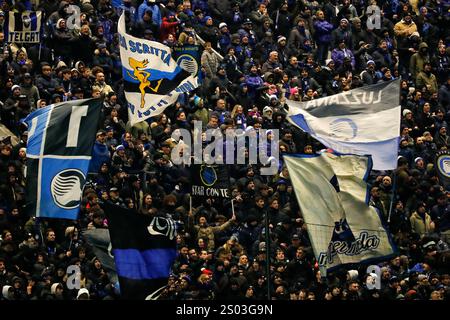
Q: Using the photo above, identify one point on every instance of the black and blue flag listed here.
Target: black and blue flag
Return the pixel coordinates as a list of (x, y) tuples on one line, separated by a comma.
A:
[(144, 249), (59, 148)]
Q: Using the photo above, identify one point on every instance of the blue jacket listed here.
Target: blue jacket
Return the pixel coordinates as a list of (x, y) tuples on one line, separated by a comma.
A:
[(100, 154), (323, 31), (154, 8)]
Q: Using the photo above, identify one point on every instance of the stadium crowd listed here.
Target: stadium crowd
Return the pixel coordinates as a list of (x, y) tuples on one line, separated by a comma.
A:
[(255, 56)]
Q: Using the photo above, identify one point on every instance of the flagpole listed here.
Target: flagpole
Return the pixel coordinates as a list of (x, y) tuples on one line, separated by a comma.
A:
[(394, 191), (232, 206), (267, 254)]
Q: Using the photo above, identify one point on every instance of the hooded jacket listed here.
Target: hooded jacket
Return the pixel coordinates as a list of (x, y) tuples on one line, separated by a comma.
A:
[(417, 61)]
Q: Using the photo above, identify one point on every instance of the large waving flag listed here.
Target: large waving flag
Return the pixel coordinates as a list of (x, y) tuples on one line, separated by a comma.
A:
[(362, 121), (59, 148), (332, 194), (152, 78), (144, 249)]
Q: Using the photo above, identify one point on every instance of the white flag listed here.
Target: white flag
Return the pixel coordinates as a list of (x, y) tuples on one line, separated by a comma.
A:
[(332, 193), (362, 121), (152, 78)]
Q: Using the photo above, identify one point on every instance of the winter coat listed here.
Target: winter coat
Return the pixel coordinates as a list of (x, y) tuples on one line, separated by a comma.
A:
[(338, 56), (323, 31), (421, 226), (417, 61), (401, 29), (32, 93), (154, 8), (46, 86), (100, 154), (210, 63), (424, 79)]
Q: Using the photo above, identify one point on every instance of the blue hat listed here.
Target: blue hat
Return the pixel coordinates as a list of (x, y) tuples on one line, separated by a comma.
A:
[(197, 100), (120, 147)]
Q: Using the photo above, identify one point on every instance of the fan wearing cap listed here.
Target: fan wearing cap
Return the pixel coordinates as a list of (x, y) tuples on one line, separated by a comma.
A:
[(224, 37), (8, 114), (343, 32), (369, 75), (391, 292), (100, 152), (427, 79), (405, 27), (247, 31), (29, 89)]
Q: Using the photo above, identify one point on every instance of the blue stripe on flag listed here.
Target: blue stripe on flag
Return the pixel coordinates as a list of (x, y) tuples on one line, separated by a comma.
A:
[(146, 264), (154, 74), (33, 18), (35, 139), (300, 120)]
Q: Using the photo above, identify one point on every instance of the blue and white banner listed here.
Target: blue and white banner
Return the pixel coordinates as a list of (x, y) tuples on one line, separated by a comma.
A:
[(59, 148), (333, 196), (152, 78), (24, 27), (362, 121)]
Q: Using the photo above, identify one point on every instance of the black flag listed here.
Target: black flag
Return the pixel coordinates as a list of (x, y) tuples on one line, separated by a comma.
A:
[(144, 249)]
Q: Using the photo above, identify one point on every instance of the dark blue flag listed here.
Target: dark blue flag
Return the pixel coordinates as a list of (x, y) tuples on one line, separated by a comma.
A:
[(188, 58), (144, 249), (59, 149)]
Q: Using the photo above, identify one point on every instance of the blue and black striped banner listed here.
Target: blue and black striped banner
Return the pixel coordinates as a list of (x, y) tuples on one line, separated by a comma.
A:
[(144, 249)]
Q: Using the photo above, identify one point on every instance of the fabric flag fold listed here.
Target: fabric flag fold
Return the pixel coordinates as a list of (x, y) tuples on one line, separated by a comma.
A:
[(100, 242), (144, 249), (332, 193), (362, 121), (59, 150), (152, 79)]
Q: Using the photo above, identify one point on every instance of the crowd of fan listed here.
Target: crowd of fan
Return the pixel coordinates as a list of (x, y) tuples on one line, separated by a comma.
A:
[(256, 56)]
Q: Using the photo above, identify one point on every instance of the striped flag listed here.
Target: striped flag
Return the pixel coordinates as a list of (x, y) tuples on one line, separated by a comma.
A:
[(362, 121), (59, 149), (152, 79), (24, 27), (144, 249)]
